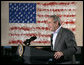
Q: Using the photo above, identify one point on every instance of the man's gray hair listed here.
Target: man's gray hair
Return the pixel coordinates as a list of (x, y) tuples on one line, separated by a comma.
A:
[(56, 19)]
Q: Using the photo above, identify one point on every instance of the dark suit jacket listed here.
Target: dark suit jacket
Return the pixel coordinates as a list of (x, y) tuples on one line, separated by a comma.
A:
[(65, 42)]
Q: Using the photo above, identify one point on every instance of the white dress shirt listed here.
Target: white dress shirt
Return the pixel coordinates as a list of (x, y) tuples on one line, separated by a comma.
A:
[(54, 36)]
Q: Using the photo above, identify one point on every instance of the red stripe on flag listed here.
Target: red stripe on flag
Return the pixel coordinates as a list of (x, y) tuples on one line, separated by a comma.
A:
[(56, 3), (20, 41), (42, 21), (67, 22), (39, 15), (55, 10), (13, 41), (72, 29), (41, 42), (32, 34), (71, 22), (28, 28)]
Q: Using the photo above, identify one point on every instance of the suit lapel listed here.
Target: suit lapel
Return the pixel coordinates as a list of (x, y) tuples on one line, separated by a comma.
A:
[(58, 37), (51, 41)]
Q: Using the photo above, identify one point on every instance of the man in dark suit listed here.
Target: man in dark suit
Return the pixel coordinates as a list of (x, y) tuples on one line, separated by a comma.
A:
[(63, 44), (62, 40)]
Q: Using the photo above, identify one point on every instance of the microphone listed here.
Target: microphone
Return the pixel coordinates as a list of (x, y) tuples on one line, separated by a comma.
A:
[(28, 41)]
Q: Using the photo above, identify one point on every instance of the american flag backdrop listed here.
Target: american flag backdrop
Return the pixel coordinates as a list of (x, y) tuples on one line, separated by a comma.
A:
[(29, 19)]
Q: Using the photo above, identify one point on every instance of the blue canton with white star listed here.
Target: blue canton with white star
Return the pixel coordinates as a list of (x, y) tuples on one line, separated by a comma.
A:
[(22, 12)]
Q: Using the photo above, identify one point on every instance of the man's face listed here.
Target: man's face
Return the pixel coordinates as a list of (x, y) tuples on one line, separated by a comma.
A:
[(52, 25)]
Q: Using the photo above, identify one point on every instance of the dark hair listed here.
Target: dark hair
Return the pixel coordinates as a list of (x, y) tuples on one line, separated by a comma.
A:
[(56, 18)]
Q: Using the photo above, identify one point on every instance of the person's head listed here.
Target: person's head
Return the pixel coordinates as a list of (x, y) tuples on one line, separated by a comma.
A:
[(53, 22)]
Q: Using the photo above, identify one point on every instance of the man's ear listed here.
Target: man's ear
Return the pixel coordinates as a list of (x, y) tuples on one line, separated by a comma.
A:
[(56, 23)]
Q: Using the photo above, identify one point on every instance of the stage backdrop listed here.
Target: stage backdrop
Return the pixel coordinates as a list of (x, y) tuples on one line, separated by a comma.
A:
[(21, 20)]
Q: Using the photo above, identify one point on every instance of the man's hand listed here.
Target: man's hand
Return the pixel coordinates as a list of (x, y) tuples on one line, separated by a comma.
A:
[(58, 54), (39, 47)]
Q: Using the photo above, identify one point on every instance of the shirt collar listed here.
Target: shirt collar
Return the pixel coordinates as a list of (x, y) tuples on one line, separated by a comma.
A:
[(57, 30)]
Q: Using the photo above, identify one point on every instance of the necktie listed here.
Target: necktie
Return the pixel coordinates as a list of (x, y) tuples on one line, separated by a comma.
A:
[(51, 42)]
